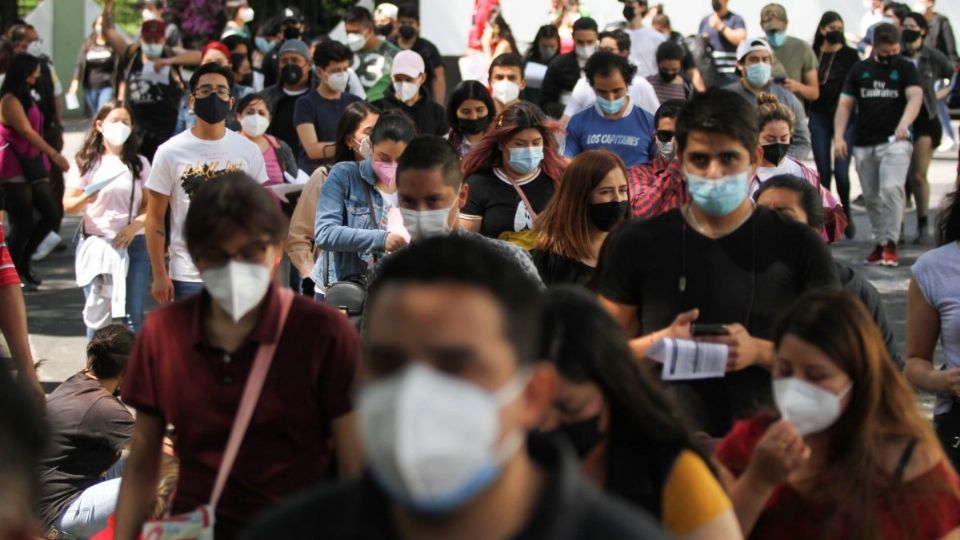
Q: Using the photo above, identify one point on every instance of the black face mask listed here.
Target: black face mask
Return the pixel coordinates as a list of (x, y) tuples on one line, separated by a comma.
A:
[(774, 153), (583, 435), (473, 126), (909, 36), (385, 29), (291, 73), (834, 37), (667, 76), (629, 12), (605, 215), (246, 80), (408, 32), (211, 109), (291, 32), (887, 60), (717, 6)]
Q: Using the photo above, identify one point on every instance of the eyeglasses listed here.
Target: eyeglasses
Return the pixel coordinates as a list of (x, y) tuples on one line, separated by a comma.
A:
[(222, 92), (664, 135)]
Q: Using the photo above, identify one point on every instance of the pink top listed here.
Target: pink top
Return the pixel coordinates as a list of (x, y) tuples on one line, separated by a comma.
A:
[(9, 162), (274, 170), (112, 210)]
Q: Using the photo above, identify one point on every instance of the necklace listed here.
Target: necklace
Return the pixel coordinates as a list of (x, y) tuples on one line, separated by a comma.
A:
[(695, 223), (825, 76)]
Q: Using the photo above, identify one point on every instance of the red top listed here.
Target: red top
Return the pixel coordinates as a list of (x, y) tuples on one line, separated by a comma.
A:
[(8, 273), (173, 372), (656, 188), (930, 512), (12, 144)]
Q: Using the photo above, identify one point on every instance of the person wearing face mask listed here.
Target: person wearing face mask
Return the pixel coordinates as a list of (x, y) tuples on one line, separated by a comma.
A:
[(850, 454), (512, 172), (615, 122), (565, 70), (644, 40), (669, 83), (193, 359), (505, 76), (183, 163), (592, 199), (794, 56), (725, 31), (409, 95), (887, 93), (661, 23), (114, 213), (96, 67), (622, 423), (316, 114), (453, 387), (385, 20), (659, 186), (470, 111), (278, 158), (544, 48), (154, 10), (756, 68), (374, 55), (290, 24), (934, 68), (355, 202), (408, 38), (239, 15), (718, 260), (217, 53), (296, 80), (352, 144)]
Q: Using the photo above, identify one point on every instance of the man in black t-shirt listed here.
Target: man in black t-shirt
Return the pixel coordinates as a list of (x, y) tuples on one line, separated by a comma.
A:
[(408, 38), (716, 260), (887, 94)]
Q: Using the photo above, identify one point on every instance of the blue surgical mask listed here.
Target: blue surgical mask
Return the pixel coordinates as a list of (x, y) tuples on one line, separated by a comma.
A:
[(758, 75), (610, 106), (776, 39), (526, 160), (263, 45), (719, 197), (153, 50)]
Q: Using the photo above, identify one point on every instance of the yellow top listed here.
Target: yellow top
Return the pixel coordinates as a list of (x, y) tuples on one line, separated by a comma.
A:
[(692, 496)]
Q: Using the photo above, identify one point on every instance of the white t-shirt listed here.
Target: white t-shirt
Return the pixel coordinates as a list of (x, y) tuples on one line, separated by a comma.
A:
[(641, 94), (787, 166), (180, 165), (643, 49), (938, 274)]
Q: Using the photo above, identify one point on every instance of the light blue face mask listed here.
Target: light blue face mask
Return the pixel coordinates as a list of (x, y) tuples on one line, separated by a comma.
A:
[(776, 39), (611, 106), (719, 197), (526, 160), (152, 50), (263, 45), (758, 75)]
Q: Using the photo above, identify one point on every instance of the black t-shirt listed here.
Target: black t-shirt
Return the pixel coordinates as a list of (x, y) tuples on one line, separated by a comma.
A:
[(324, 114), (556, 269), (749, 277), (88, 428), (99, 62), (880, 92), (154, 104), (833, 71), (495, 201), (282, 126), (431, 60), (429, 116)]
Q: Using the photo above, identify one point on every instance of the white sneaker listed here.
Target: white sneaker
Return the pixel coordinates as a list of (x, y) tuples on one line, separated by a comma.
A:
[(945, 146), (51, 241)]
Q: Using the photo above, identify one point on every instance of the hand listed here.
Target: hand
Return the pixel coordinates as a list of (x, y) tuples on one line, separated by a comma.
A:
[(162, 289), (124, 237), (902, 133), (778, 453), (715, 22), (680, 327), (743, 350), (950, 379), (159, 63), (791, 85), (62, 163), (840, 148), (394, 242)]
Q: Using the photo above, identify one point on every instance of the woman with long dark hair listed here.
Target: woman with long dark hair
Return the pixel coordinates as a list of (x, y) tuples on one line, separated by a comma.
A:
[(512, 173), (544, 48), (107, 189), (850, 455), (255, 117), (96, 67), (25, 160), (623, 424), (470, 111), (836, 60), (592, 199)]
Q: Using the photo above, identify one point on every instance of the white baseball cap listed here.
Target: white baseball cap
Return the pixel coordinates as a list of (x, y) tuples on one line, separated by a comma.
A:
[(748, 46)]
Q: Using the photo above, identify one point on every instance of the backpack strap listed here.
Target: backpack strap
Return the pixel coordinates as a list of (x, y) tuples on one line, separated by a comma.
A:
[(904, 461)]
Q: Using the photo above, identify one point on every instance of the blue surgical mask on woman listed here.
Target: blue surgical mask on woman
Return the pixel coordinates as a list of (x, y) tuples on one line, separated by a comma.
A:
[(719, 197), (526, 160), (759, 74)]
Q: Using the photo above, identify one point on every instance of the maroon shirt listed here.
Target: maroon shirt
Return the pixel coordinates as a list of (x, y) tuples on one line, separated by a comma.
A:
[(174, 373)]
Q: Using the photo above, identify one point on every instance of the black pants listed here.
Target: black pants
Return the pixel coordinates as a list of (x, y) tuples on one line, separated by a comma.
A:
[(20, 200)]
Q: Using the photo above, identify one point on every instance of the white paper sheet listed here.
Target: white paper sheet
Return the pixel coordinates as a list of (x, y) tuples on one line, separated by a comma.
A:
[(534, 74), (282, 190), (150, 73), (688, 360), (301, 178)]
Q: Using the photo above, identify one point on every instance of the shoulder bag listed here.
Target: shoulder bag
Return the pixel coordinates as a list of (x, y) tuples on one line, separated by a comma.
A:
[(349, 293)]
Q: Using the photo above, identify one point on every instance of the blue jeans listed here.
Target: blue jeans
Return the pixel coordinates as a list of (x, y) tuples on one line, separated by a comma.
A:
[(87, 515), (821, 137), (138, 281), (183, 289), (96, 97)]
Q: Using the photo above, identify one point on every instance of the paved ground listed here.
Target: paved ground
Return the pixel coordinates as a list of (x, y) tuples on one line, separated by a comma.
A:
[(57, 334)]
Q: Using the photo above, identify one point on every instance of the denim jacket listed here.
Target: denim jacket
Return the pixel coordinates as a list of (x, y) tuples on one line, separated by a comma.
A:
[(342, 224)]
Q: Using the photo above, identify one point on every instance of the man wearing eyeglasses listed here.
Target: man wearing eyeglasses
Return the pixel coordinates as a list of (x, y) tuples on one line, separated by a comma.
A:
[(183, 163)]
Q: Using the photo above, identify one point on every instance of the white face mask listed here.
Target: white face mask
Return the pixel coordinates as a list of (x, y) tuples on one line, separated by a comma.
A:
[(585, 51), (237, 286), (667, 149), (254, 125), (338, 81), (35, 48), (431, 438), (366, 148), (506, 91), (808, 407), (246, 14), (423, 224), (356, 41), (406, 90), (115, 133), (147, 15)]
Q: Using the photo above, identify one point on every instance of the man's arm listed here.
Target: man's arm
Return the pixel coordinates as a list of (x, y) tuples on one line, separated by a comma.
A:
[(626, 315), (346, 442), (840, 120), (140, 475), (439, 84), (13, 326), (311, 146), (809, 88), (910, 112), (156, 235), (114, 39)]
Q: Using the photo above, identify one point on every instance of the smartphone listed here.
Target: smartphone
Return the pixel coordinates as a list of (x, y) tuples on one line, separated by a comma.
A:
[(701, 329), (780, 80)]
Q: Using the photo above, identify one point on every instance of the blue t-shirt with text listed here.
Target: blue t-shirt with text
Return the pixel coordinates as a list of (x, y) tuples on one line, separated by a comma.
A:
[(630, 137)]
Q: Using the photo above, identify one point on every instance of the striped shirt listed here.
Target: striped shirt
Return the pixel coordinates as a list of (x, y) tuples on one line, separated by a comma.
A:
[(8, 273), (678, 89)]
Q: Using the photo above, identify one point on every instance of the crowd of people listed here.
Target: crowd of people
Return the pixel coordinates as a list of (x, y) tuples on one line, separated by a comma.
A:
[(586, 292)]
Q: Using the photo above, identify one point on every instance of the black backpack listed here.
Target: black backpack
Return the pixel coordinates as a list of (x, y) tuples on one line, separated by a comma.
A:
[(702, 53)]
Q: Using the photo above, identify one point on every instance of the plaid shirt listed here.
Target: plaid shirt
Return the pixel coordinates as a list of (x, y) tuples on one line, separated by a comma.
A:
[(8, 273), (656, 188)]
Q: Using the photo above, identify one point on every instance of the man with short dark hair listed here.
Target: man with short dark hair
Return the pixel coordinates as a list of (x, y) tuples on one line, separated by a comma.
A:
[(724, 30), (715, 260), (453, 387), (615, 123), (407, 94), (669, 82), (409, 38), (565, 70), (317, 114), (644, 40), (886, 91), (659, 186), (506, 79), (374, 55), (183, 163), (296, 80)]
